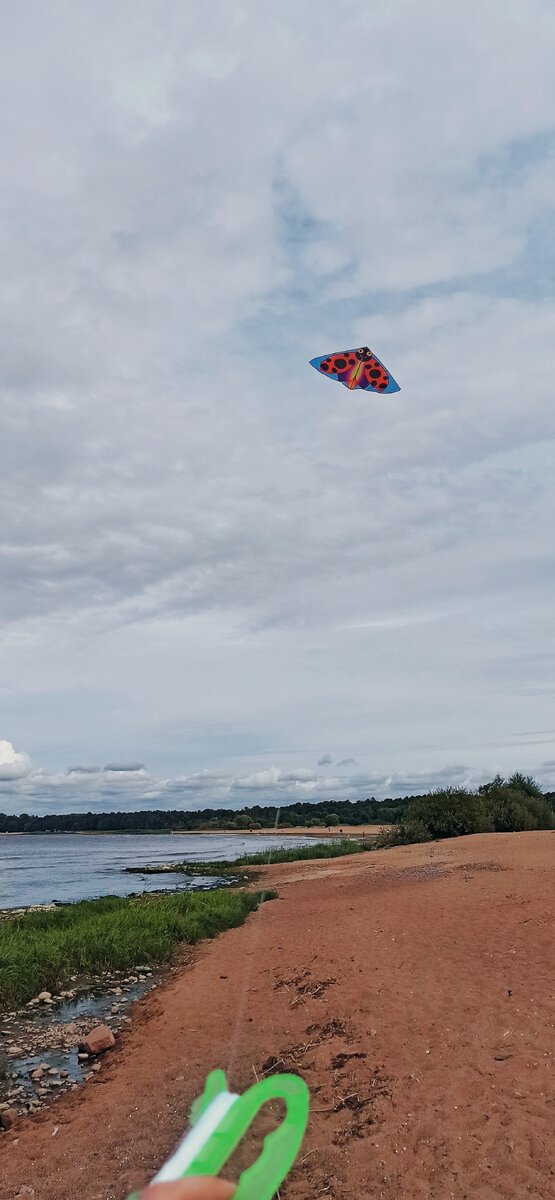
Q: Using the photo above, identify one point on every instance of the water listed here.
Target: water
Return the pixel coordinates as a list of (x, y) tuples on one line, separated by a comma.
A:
[(41, 1036), (40, 868)]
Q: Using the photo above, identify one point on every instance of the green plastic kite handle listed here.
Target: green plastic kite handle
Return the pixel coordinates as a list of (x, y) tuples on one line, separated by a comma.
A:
[(262, 1180), (280, 1148)]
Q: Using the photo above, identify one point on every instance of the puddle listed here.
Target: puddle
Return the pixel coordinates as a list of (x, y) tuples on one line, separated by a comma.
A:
[(47, 1038), (43, 1039)]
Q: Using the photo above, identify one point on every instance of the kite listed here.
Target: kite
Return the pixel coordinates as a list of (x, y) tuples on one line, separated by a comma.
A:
[(356, 369)]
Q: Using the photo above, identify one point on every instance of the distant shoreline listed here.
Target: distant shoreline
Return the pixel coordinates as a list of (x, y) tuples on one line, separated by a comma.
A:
[(319, 831)]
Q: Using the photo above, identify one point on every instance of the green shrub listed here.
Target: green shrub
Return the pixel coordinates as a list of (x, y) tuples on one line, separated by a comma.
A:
[(452, 812), (511, 809), (406, 833)]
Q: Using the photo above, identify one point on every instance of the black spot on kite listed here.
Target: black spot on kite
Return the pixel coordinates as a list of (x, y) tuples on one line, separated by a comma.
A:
[(340, 364), (324, 366), (382, 386), (352, 362), (375, 373)]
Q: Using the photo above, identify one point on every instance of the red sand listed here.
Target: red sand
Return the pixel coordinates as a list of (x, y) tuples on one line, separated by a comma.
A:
[(414, 989)]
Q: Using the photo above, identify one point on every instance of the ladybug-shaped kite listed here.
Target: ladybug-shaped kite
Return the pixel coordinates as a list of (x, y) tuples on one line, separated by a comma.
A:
[(357, 369)]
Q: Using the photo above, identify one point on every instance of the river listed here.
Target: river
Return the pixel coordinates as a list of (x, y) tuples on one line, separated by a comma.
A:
[(40, 868)]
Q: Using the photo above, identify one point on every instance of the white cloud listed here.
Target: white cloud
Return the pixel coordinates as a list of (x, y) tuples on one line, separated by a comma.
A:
[(13, 765), (40, 791)]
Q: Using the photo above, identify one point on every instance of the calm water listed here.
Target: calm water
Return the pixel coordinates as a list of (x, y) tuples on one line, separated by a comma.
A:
[(39, 868)]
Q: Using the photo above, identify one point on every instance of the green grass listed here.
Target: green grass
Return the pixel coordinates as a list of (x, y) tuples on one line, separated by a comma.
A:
[(41, 950), (298, 853), (262, 858)]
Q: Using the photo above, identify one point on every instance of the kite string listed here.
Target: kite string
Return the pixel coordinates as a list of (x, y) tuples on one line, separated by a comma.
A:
[(250, 956)]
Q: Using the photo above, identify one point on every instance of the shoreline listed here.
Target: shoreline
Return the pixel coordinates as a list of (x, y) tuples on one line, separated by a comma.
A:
[(317, 831), (411, 989)]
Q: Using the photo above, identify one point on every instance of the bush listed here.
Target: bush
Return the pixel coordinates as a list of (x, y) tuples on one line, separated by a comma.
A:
[(451, 813), (406, 833), (511, 809)]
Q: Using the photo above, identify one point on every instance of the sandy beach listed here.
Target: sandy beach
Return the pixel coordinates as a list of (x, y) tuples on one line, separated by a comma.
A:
[(412, 988)]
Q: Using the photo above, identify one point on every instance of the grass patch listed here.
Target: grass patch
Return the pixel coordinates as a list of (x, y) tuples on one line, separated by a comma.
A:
[(41, 950), (299, 853), (260, 859)]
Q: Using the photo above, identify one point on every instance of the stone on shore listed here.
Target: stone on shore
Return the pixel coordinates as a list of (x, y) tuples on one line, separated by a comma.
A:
[(97, 1041)]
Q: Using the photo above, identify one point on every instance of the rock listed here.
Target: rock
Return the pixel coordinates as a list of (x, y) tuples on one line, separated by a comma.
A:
[(15, 1051), (42, 1091), (83, 1057), (53, 1071), (98, 1040), (71, 1029), (44, 996), (38, 1074), (8, 1118), (117, 991)]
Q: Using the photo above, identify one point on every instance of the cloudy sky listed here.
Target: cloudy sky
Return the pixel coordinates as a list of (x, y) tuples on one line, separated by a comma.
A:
[(222, 577)]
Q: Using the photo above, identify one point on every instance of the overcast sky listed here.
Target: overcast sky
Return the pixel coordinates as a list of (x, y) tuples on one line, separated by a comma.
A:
[(224, 578)]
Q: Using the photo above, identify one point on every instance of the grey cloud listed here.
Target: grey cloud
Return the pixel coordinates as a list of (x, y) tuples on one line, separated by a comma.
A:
[(125, 768), (325, 761), (347, 762), (84, 770), (191, 519)]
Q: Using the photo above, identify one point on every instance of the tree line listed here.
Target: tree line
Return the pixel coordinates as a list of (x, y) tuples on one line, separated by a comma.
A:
[(515, 803), (328, 813)]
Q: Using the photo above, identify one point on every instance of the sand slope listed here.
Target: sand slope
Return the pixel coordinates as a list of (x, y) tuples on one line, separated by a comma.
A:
[(415, 991)]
